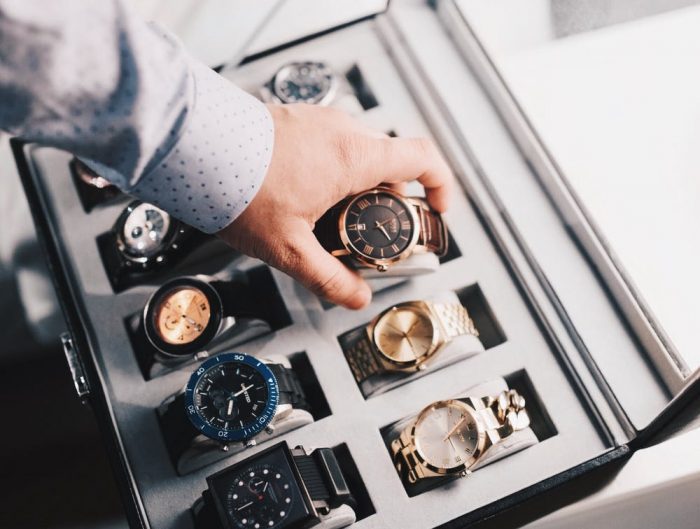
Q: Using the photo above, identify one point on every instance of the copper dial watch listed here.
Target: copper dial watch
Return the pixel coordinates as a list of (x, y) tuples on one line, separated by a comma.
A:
[(186, 314), (405, 337), (449, 437), (380, 227)]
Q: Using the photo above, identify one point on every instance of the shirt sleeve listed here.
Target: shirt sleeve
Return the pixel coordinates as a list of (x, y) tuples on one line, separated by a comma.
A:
[(95, 80)]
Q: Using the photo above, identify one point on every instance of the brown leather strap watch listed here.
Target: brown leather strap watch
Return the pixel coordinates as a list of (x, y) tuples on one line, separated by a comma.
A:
[(379, 227)]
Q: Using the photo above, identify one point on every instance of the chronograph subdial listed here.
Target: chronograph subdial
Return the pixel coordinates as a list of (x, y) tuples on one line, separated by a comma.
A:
[(144, 231)]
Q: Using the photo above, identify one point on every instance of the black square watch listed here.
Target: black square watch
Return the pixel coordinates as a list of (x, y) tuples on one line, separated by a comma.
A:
[(278, 488)]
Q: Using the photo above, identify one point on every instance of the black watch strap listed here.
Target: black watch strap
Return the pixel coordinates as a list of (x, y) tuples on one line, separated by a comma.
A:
[(177, 429), (326, 229), (239, 299), (323, 477), (289, 387), (360, 354)]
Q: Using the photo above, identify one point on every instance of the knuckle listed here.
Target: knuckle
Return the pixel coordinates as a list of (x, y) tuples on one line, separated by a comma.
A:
[(347, 150)]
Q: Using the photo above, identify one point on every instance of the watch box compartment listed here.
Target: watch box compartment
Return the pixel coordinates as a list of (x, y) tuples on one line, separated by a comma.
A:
[(538, 352)]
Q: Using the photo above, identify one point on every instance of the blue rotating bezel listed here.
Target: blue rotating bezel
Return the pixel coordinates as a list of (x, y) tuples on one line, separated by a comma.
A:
[(249, 430)]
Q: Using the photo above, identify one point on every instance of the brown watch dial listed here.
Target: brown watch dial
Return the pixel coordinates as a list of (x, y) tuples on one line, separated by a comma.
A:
[(404, 334), (182, 315)]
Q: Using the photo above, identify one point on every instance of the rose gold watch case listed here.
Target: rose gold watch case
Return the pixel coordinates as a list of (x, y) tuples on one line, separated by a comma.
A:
[(395, 365), (458, 469), (381, 264)]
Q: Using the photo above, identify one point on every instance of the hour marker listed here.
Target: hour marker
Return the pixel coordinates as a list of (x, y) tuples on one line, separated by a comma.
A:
[(357, 227), (391, 202), (381, 252), (362, 204), (395, 248), (368, 249), (278, 476), (376, 199), (266, 471), (282, 513), (403, 237), (405, 224), (287, 500)]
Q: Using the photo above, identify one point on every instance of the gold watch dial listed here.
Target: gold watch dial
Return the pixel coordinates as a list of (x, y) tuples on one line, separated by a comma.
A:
[(446, 435), (182, 315), (404, 334)]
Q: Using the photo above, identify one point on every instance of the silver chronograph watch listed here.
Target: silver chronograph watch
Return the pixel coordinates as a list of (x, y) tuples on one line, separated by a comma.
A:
[(312, 83), (145, 239)]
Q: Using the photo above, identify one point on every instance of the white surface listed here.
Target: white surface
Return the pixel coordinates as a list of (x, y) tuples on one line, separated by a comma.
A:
[(222, 31), (658, 487), (618, 109)]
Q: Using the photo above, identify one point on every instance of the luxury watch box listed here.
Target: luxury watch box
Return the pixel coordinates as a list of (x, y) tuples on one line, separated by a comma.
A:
[(552, 318)]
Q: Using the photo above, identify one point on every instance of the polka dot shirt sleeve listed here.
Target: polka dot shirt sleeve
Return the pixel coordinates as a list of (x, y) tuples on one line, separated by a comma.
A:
[(216, 166), (95, 80)]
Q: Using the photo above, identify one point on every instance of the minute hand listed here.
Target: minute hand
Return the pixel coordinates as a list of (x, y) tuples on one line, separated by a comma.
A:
[(243, 390), (454, 429)]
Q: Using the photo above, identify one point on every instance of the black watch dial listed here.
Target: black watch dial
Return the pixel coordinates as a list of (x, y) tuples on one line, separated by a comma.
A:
[(303, 82), (259, 497), (379, 225), (145, 231), (231, 397)]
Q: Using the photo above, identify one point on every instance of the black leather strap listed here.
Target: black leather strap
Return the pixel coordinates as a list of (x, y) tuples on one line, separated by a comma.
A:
[(326, 229), (239, 299), (290, 388), (177, 429)]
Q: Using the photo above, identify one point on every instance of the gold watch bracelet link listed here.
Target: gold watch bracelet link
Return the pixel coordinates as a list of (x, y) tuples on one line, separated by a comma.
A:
[(454, 319)]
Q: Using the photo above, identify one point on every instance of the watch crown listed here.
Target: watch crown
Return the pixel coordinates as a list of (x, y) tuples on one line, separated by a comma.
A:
[(382, 268), (270, 429)]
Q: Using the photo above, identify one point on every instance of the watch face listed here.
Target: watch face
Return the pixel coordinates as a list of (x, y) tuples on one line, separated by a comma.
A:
[(379, 225), (262, 492), (446, 435), (405, 335), (303, 82), (182, 315), (231, 397), (145, 230), (260, 496)]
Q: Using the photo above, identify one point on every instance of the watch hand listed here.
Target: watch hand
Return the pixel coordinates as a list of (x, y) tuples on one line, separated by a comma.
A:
[(229, 408), (381, 228), (396, 329), (454, 429), (244, 506), (243, 390)]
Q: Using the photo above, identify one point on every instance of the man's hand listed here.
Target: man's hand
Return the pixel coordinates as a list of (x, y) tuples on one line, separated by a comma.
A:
[(322, 155)]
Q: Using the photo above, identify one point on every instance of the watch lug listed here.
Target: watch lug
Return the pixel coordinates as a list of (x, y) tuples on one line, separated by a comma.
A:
[(250, 443), (270, 429), (382, 268), (224, 447)]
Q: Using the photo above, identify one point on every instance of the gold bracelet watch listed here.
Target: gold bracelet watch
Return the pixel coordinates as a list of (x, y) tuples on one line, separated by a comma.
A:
[(449, 437), (405, 337)]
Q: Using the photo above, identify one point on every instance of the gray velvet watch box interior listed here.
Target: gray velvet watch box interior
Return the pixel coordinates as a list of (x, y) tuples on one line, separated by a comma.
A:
[(482, 267)]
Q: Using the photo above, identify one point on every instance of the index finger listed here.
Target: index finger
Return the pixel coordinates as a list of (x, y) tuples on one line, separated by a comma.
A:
[(394, 160)]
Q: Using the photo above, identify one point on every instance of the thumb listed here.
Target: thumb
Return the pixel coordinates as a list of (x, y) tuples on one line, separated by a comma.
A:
[(310, 264)]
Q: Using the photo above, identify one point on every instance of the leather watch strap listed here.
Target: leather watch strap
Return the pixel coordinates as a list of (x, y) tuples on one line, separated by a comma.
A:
[(455, 319), (433, 234), (326, 229), (177, 429), (289, 387), (239, 299), (360, 354)]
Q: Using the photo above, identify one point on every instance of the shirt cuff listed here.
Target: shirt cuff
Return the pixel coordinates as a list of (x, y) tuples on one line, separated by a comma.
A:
[(215, 168)]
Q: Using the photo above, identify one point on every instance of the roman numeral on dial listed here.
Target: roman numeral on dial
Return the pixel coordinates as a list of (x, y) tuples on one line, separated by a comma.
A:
[(362, 204), (368, 249)]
